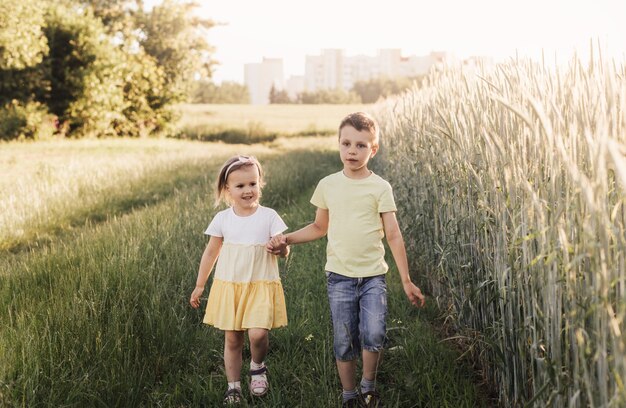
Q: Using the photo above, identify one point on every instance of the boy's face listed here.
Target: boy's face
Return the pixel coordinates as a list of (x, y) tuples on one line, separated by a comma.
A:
[(356, 148)]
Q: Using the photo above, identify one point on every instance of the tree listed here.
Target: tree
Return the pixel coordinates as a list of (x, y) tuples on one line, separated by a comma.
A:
[(372, 90), (117, 16), (331, 96), (148, 91), (226, 92), (102, 67), (83, 70), (174, 37), (277, 97), (22, 41), (146, 108)]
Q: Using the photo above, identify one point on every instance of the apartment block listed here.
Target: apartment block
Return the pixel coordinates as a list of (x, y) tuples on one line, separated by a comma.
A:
[(295, 85), (333, 69), (325, 71), (260, 77)]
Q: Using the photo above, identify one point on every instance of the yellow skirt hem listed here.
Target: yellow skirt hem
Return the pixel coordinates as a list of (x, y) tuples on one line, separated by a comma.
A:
[(241, 306)]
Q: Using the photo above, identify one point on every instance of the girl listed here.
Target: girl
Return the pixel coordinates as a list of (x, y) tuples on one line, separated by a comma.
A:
[(246, 293)]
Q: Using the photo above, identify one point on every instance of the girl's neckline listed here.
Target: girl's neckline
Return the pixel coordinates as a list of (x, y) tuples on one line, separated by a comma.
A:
[(247, 215)]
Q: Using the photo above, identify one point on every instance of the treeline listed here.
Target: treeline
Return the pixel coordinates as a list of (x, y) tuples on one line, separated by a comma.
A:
[(79, 68), (226, 92), (362, 92)]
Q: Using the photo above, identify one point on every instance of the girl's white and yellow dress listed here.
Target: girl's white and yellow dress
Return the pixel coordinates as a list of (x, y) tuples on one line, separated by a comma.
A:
[(246, 291)]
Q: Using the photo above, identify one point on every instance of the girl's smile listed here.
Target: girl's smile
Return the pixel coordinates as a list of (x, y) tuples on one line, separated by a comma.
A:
[(243, 188)]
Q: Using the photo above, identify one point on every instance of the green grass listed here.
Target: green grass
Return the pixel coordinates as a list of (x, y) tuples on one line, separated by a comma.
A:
[(49, 188), (260, 123), (100, 316)]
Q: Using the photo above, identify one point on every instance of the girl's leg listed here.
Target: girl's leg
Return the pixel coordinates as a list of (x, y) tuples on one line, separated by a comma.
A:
[(259, 344), (233, 349)]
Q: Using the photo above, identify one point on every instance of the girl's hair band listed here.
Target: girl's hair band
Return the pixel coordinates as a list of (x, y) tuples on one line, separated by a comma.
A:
[(240, 160)]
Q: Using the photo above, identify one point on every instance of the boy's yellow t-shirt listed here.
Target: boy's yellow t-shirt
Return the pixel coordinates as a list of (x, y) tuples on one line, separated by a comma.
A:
[(355, 230)]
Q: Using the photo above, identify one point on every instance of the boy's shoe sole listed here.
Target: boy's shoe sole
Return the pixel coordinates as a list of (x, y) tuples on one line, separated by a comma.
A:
[(356, 402)]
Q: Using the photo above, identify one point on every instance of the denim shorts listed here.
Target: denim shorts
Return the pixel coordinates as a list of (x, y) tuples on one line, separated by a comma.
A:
[(358, 307)]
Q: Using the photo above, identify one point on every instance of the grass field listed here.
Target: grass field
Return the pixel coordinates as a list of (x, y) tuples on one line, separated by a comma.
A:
[(96, 314), (250, 123), (288, 119)]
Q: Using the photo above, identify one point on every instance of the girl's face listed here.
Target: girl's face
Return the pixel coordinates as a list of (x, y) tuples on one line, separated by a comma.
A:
[(244, 190)]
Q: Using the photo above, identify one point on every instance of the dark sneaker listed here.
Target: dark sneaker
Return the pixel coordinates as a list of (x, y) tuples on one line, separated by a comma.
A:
[(372, 399)]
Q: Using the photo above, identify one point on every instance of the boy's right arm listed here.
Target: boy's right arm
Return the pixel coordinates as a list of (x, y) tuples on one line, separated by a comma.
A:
[(209, 257), (315, 230)]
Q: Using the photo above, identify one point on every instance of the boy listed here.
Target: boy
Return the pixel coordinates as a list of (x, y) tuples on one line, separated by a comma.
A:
[(356, 208)]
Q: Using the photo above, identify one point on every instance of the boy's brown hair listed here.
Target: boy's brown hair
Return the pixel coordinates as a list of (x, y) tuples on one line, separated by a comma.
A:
[(361, 121)]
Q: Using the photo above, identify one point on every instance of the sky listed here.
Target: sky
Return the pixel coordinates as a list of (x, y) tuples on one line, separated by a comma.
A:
[(291, 29)]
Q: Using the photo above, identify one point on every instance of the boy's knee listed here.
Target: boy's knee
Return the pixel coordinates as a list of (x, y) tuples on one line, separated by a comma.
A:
[(374, 339)]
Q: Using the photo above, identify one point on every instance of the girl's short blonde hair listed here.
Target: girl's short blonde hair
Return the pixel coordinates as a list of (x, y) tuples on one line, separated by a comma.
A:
[(232, 164)]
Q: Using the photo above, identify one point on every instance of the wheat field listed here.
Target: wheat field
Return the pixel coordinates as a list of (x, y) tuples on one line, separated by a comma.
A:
[(512, 182)]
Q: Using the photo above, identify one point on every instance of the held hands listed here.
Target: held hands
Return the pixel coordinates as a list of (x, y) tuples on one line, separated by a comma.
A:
[(414, 294), (277, 245), (195, 297)]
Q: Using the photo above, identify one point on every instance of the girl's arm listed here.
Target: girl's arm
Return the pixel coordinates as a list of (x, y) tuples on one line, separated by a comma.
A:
[(396, 244), (207, 262)]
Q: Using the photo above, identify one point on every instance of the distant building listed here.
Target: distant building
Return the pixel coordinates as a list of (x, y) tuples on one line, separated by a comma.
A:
[(295, 86), (325, 71), (332, 69), (260, 77)]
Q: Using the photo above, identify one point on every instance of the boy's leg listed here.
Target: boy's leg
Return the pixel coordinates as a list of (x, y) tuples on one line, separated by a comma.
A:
[(233, 348), (344, 309), (347, 371), (372, 327), (371, 362)]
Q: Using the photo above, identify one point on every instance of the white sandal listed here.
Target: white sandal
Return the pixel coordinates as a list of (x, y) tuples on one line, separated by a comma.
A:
[(259, 386)]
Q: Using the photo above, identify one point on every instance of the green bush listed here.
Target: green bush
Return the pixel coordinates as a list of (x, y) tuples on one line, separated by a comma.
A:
[(103, 69), (22, 43), (26, 121), (147, 109), (85, 72)]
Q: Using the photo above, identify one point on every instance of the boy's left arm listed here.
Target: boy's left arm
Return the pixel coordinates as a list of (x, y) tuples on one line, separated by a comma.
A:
[(396, 244)]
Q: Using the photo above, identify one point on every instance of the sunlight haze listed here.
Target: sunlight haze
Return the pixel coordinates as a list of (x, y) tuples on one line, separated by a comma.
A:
[(290, 30)]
